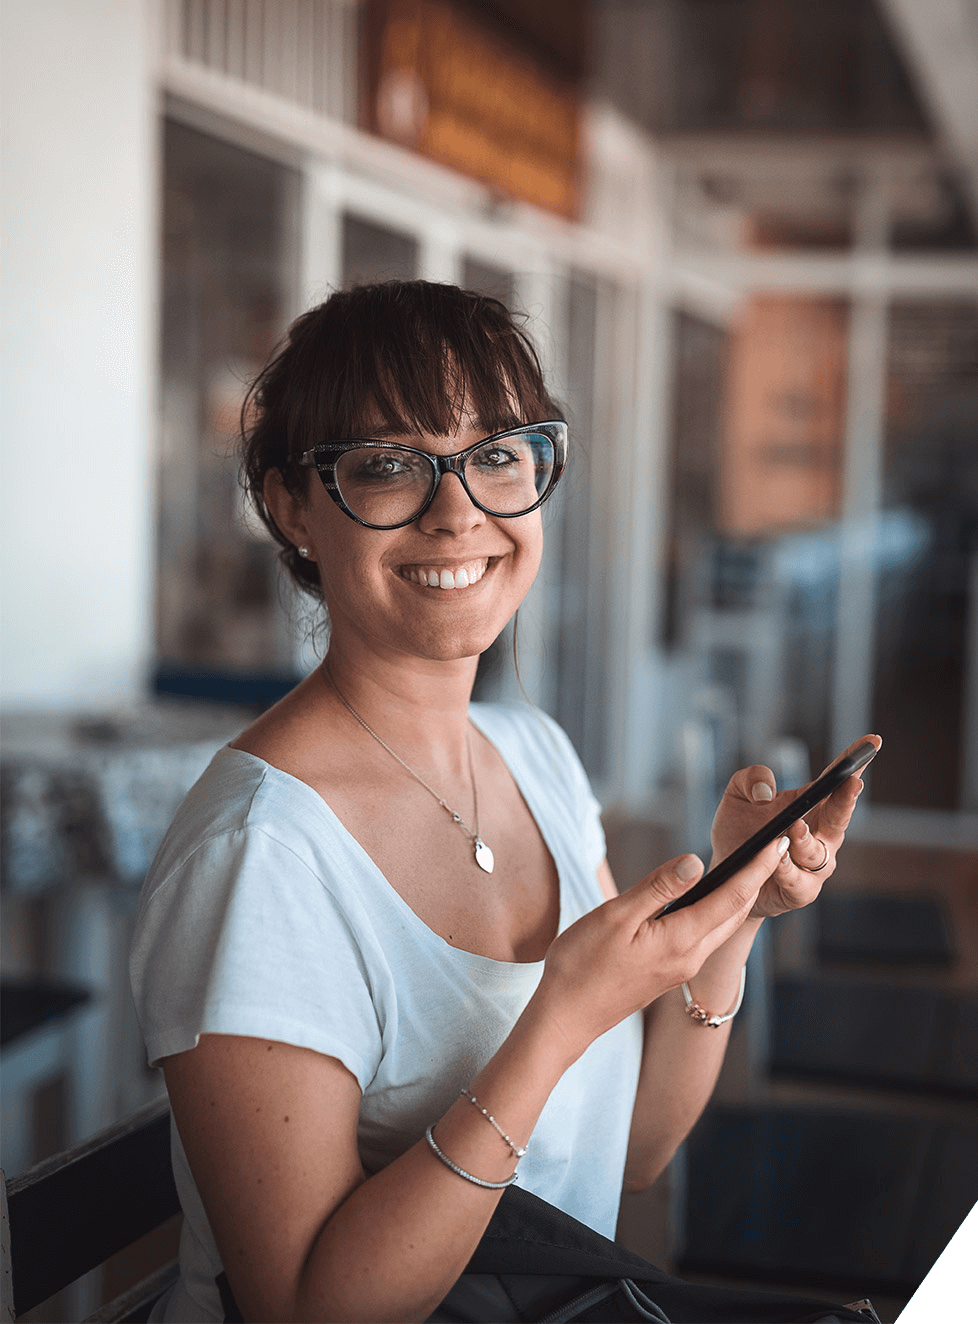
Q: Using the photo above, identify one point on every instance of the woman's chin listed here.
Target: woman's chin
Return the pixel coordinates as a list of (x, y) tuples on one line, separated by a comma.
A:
[(460, 649)]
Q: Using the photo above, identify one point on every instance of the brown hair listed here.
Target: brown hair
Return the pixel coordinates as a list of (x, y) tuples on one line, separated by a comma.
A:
[(417, 354)]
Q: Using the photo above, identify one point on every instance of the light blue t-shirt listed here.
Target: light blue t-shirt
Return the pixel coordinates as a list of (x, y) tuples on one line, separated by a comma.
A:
[(263, 916)]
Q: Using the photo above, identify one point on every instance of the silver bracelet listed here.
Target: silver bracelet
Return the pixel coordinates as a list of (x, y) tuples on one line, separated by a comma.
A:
[(476, 1181), (517, 1150), (704, 1017)]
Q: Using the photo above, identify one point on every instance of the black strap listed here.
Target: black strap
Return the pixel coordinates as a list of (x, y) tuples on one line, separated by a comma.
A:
[(232, 1315), (528, 1235)]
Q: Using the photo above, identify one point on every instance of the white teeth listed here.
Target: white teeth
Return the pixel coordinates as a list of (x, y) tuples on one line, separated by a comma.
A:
[(463, 577)]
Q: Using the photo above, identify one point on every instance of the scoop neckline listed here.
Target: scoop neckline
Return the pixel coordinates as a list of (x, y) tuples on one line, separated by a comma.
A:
[(487, 962)]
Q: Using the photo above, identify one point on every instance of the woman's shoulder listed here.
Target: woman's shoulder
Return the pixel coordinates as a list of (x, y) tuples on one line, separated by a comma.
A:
[(246, 926), (238, 795), (235, 789), (528, 738)]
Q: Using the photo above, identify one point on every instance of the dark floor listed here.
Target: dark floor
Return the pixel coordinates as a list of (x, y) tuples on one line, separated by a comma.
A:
[(844, 1168)]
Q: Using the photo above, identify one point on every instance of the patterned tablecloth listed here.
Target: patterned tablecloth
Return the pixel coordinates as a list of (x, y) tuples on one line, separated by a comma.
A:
[(89, 798)]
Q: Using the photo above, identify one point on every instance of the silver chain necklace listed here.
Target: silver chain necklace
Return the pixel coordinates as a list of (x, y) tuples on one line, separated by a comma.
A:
[(484, 857)]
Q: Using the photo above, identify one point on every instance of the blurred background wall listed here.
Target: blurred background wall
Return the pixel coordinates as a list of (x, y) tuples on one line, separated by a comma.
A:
[(745, 235)]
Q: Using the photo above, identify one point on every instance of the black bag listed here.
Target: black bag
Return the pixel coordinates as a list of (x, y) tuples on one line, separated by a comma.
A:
[(536, 1263)]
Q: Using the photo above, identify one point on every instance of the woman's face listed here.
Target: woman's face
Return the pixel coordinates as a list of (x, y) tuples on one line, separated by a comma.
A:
[(441, 588)]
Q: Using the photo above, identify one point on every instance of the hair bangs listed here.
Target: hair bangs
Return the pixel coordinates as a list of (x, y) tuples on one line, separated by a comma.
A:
[(420, 367)]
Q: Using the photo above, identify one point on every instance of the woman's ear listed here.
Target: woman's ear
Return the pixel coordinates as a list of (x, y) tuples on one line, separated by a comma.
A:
[(286, 509)]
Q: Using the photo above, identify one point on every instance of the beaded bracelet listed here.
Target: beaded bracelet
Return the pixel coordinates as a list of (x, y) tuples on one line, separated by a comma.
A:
[(476, 1181), (517, 1150), (709, 1018)]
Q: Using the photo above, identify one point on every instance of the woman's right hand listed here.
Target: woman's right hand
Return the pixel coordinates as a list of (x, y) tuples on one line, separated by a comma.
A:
[(620, 957)]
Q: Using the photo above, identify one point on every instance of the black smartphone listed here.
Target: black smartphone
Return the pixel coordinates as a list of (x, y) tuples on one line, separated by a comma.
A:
[(830, 780)]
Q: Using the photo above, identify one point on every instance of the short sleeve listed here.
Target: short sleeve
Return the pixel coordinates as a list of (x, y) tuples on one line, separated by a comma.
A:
[(242, 937)]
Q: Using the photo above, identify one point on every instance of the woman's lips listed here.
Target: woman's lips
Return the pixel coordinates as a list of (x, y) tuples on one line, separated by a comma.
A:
[(462, 575)]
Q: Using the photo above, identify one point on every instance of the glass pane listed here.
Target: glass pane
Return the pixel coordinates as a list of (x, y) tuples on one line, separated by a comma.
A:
[(752, 562), (931, 215), (581, 653), (700, 354), (372, 252), (229, 263), (930, 539), (486, 278)]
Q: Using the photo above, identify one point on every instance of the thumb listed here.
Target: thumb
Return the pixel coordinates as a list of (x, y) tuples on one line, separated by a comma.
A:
[(665, 884)]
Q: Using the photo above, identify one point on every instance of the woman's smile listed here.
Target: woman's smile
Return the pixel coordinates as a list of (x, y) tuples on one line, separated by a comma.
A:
[(454, 574)]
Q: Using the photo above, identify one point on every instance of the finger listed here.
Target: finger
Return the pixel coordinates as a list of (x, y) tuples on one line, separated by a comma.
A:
[(831, 818), (808, 849), (662, 885), (873, 740), (725, 907), (756, 784)]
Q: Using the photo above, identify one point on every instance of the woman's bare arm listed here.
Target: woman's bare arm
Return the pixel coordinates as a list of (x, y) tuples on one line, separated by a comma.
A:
[(270, 1130), (270, 1135)]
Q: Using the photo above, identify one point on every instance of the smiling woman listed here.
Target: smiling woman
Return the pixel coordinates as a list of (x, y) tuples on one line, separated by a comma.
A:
[(383, 904)]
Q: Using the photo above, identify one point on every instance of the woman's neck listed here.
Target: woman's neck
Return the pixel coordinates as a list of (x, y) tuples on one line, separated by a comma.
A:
[(417, 706)]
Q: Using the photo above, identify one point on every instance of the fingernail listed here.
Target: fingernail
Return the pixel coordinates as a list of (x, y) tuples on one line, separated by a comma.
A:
[(804, 835), (761, 791), (688, 867), (782, 845)]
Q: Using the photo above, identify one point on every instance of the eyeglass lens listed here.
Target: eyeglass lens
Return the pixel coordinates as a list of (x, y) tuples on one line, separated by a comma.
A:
[(386, 485)]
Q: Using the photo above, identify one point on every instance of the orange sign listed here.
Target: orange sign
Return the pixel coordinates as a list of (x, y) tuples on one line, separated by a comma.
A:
[(785, 415), (445, 86)]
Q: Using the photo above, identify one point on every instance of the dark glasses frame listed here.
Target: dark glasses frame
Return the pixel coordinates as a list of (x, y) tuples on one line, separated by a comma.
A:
[(325, 456)]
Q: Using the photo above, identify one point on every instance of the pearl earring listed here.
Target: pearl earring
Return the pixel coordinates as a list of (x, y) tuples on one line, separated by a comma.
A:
[(303, 552)]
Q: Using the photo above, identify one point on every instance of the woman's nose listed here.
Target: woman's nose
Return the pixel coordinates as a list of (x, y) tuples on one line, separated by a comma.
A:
[(452, 510)]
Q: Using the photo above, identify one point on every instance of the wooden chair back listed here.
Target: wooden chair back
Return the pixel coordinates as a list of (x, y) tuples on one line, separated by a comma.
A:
[(70, 1213)]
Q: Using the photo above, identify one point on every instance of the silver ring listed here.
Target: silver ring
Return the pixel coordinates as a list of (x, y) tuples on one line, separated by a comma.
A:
[(818, 867)]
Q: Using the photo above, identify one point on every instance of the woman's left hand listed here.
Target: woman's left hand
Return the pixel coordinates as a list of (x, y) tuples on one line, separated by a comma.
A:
[(752, 799)]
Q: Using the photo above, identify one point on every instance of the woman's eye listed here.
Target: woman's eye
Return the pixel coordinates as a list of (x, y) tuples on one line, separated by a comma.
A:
[(498, 457), (381, 466)]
